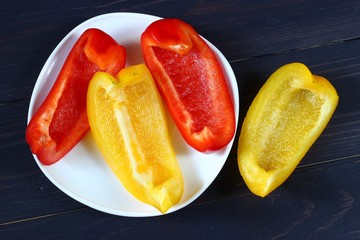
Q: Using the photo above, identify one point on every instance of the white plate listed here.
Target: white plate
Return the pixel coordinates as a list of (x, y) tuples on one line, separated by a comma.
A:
[(82, 173)]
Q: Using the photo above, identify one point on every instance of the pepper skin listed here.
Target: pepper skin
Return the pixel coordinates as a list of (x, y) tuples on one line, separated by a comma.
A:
[(129, 126), (61, 121), (190, 80)]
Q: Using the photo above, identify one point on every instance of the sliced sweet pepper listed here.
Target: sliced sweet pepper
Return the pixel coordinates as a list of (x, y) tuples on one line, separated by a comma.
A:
[(61, 121), (128, 124), (284, 120), (191, 82)]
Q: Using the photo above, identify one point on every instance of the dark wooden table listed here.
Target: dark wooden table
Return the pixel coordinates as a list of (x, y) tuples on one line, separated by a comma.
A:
[(321, 199)]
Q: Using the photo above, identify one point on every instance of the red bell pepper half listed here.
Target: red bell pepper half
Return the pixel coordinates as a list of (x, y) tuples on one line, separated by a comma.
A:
[(191, 82), (61, 121)]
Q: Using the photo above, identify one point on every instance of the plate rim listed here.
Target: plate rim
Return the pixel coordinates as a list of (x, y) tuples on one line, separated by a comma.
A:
[(233, 89)]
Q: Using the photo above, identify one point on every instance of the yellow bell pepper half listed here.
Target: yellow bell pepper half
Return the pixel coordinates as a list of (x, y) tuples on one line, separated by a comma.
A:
[(128, 124), (284, 120)]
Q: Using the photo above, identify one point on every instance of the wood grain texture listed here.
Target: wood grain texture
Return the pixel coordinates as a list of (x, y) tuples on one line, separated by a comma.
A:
[(321, 199), (296, 211)]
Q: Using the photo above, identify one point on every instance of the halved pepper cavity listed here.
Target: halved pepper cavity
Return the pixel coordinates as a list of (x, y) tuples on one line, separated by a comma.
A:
[(61, 120), (128, 124), (191, 82), (286, 117)]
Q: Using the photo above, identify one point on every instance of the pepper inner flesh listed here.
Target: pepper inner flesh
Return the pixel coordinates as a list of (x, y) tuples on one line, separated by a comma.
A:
[(129, 126), (280, 132), (189, 68)]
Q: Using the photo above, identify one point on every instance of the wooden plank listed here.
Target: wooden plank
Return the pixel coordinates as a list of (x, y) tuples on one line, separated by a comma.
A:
[(12, 123), (24, 190), (250, 29), (259, 28), (314, 204)]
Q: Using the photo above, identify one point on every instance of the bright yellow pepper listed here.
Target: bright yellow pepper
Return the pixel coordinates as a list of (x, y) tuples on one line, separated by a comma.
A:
[(128, 124), (284, 120)]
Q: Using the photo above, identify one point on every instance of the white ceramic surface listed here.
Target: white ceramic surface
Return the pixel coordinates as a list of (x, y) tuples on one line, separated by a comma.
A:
[(82, 173)]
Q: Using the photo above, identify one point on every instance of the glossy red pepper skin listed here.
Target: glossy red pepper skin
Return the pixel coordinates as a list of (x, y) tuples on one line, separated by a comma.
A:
[(61, 121), (190, 80)]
